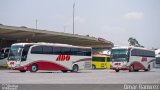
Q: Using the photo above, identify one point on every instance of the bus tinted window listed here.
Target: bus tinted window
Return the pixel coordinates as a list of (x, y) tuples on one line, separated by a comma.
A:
[(98, 59), (56, 50), (61, 50), (47, 50), (65, 51), (138, 52), (36, 50), (86, 52), (74, 51), (80, 52)]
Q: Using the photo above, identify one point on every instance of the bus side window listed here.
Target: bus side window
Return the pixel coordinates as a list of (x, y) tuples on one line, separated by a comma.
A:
[(36, 50), (47, 50), (74, 51), (57, 50), (88, 52), (65, 51)]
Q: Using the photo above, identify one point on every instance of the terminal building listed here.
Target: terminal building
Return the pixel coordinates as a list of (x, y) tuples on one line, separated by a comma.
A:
[(14, 34)]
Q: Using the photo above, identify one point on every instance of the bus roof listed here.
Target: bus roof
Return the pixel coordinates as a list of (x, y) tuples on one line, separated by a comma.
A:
[(51, 44), (132, 47)]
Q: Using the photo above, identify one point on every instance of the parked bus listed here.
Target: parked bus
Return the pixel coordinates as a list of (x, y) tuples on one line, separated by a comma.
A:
[(3, 56), (100, 61), (46, 56), (157, 64), (132, 58)]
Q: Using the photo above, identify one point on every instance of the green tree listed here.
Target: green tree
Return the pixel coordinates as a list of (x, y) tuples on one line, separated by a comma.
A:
[(133, 42)]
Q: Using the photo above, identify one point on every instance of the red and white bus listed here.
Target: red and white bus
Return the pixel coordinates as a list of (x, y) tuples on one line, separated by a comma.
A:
[(47, 56), (132, 58)]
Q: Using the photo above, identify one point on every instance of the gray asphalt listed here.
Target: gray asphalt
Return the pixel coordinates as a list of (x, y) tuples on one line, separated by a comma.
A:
[(82, 77)]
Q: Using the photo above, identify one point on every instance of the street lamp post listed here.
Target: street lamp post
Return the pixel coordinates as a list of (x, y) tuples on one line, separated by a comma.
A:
[(73, 15)]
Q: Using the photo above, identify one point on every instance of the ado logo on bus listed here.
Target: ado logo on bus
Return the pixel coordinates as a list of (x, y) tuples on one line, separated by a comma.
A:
[(63, 58)]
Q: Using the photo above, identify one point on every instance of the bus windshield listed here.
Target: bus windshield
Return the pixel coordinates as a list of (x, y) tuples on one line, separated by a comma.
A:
[(119, 54), (15, 53)]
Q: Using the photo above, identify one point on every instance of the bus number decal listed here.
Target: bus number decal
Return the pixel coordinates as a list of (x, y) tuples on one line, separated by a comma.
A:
[(63, 58)]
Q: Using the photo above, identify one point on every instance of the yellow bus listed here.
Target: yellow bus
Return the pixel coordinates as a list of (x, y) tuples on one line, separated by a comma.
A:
[(100, 61)]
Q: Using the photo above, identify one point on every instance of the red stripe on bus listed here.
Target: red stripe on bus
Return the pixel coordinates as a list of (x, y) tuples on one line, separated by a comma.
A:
[(43, 65), (85, 59), (137, 65)]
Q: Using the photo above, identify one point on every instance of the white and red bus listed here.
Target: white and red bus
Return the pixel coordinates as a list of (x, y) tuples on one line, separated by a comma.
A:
[(47, 56), (132, 58)]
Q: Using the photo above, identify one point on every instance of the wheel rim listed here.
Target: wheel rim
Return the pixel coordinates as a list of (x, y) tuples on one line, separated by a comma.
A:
[(34, 68)]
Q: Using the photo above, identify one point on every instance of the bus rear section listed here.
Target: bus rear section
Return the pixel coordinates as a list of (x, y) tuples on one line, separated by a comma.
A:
[(100, 61), (132, 59), (37, 56)]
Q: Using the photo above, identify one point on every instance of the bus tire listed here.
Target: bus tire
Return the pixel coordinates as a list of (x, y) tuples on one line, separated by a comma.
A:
[(34, 68), (148, 69), (93, 66), (117, 70), (75, 68), (22, 70), (136, 70), (64, 71), (131, 68)]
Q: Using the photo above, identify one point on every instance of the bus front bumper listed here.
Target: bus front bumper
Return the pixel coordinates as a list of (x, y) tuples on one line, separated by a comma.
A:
[(18, 68), (120, 68)]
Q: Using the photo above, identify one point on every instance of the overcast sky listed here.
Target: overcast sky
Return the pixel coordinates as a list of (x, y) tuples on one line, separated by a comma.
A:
[(114, 20)]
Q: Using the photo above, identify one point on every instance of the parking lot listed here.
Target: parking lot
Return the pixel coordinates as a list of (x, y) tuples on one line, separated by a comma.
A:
[(82, 77)]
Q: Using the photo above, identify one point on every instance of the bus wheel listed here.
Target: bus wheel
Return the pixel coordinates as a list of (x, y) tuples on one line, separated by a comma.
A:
[(148, 69), (64, 71), (117, 70), (22, 70), (34, 68), (136, 70), (75, 68), (93, 67), (131, 68)]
